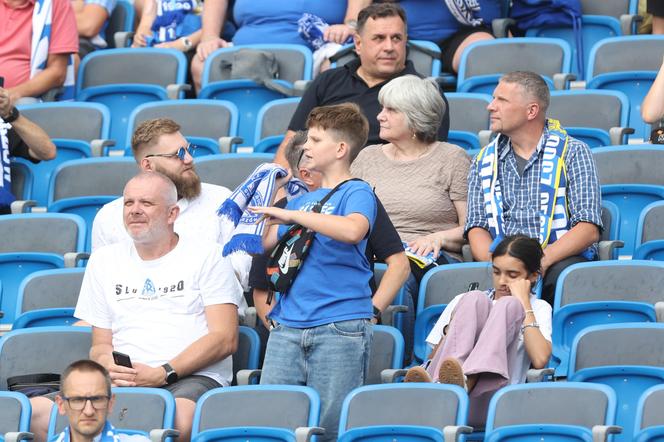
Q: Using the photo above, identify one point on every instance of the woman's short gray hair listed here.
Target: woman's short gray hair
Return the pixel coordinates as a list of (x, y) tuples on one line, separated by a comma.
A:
[(419, 100)]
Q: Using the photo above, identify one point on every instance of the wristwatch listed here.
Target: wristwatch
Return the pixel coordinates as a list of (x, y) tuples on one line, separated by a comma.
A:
[(13, 115), (171, 376), (187, 43), (377, 314)]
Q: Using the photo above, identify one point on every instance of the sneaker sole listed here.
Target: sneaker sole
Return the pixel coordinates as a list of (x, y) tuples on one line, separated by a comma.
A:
[(417, 374), (451, 373)]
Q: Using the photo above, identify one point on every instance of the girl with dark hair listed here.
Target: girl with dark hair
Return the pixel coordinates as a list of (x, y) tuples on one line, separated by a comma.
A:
[(486, 340)]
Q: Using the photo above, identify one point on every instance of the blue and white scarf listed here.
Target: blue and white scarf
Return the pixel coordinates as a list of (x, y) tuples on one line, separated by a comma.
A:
[(554, 217), (42, 16), (465, 12), (108, 434), (257, 190), (6, 196)]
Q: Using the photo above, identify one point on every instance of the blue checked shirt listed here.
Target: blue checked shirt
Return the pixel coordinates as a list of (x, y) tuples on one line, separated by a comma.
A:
[(521, 193)]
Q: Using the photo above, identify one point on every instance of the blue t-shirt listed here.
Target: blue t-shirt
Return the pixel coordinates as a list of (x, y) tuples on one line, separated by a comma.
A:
[(431, 19), (271, 21), (175, 19), (333, 282)]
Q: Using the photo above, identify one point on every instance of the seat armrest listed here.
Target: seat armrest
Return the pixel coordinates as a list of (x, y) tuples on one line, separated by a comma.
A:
[(226, 143), (304, 434), (618, 135), (98, 147), (161, 434), (538, 375), (627, 22), (500, 26), (606, 248), (122, 38), (246, 376), (15, 436), (173, 90), (467, 253), (659, 311), (300, 86), (22, 206), (577, 85), (451, 433), (601, 432), (389, 375), (387, 316), (561, 81), (249, 317), (72, 258)]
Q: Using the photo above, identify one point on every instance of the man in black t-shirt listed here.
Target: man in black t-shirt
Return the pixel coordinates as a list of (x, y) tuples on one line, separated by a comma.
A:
[(19, 137), (380, 43), (384, 245)]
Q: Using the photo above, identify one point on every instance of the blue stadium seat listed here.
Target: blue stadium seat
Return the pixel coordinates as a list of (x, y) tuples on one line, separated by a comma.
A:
[(649, 425), (121, 20), (560, 411), (272, 123), (484, 62), (649, 233), (15, 411), (408, 412), (255, 412), (122, 79), (626, 357), (71, 120), (295, 63), (22, 178)]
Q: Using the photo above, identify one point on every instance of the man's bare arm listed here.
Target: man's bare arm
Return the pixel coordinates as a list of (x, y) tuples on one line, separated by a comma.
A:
[(53, 76)]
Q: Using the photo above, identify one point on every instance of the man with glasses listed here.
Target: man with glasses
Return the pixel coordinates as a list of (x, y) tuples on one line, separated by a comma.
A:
[(159, 146), (86, 400)]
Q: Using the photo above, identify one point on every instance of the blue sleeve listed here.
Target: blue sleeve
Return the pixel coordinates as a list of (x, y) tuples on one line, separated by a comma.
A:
[(361, 199)]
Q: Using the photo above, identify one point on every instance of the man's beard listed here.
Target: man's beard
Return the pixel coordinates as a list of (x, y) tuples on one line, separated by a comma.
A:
[(188, 186)]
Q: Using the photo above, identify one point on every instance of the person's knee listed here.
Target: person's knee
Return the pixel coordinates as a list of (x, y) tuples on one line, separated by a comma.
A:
[(184, 417), (475, 298), (510, 304), (472, 38)]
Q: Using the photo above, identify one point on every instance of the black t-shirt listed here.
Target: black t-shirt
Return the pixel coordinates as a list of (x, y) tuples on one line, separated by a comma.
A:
[(342, 85), (17, 147), (383, 242)]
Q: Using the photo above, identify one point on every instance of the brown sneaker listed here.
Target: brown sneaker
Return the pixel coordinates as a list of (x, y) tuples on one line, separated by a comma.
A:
[(450, 372), (417, 374)]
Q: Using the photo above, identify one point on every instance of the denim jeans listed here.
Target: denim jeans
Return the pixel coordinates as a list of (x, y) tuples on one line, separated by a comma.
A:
[(332, 358)]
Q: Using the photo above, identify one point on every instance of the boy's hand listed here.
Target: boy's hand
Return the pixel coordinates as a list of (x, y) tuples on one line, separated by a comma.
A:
[(281, 182), (274, 215)]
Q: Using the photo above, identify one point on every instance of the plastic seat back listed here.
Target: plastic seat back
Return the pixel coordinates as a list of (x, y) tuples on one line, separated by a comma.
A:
[(209, 119), (275, 406), (529, 411), (468, 112), (71, 120), (42, 350), (649, 425), (424, 405), (483, 62), (442, 284), (650, 226), (14, 412), (274, 117), (248, 351), (229, 170), (121, 20), (21, 178), (387, 348), (91, 177), (613, 8)]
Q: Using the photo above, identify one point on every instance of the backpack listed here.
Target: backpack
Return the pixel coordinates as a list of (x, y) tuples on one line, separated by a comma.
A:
[(289, 254), (256, 65), (542, 13)]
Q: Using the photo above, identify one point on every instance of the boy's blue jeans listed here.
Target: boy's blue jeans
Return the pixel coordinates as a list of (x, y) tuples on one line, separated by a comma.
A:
[(332, 358)]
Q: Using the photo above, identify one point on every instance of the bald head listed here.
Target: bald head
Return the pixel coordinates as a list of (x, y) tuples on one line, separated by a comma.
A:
[(160, 182)]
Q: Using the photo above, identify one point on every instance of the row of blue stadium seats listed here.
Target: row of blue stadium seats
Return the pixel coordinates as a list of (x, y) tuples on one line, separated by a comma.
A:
[(611, 387)]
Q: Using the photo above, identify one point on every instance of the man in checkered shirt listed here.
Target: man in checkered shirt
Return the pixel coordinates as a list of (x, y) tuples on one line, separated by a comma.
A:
[(512, 182)]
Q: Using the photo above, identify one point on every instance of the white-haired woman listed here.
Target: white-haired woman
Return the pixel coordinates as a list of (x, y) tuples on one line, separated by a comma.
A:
[(421, 181)]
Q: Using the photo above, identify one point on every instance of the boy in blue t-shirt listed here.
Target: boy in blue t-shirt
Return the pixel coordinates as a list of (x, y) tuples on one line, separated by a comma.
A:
[(323, 336)]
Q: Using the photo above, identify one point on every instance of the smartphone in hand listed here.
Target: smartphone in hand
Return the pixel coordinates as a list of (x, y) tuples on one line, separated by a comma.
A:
[(122, 359)]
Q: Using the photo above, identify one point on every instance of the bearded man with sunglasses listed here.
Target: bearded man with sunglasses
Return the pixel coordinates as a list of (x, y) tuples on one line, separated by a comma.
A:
[(159, 146), (86, 399)]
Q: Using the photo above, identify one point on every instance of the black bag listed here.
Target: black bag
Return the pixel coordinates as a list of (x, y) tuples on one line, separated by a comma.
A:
[(33, 385), (290, 252)]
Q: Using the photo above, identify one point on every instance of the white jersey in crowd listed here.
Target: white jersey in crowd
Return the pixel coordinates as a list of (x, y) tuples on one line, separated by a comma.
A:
[(197, 219), (155, 309), (518, 367)]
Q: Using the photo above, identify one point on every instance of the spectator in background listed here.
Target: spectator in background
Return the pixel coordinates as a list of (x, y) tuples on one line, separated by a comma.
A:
[(269, 21), (380, 43), (452, 24), (533, 179), (19, 137), (91, 21), (32, 74), (172, 24), (656, 8), (421, 181), (86, 399)]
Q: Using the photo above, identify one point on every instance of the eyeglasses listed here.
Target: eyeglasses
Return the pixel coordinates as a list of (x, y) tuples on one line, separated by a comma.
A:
[(181, 152), (299, 159), (78, 402)]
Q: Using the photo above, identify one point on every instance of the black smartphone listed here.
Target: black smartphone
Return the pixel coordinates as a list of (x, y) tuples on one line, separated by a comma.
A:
[(2, 81), (122, 359)]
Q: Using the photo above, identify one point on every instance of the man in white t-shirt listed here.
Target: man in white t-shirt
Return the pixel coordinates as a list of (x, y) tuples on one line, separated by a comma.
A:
[(159, 146), (169, 302)]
